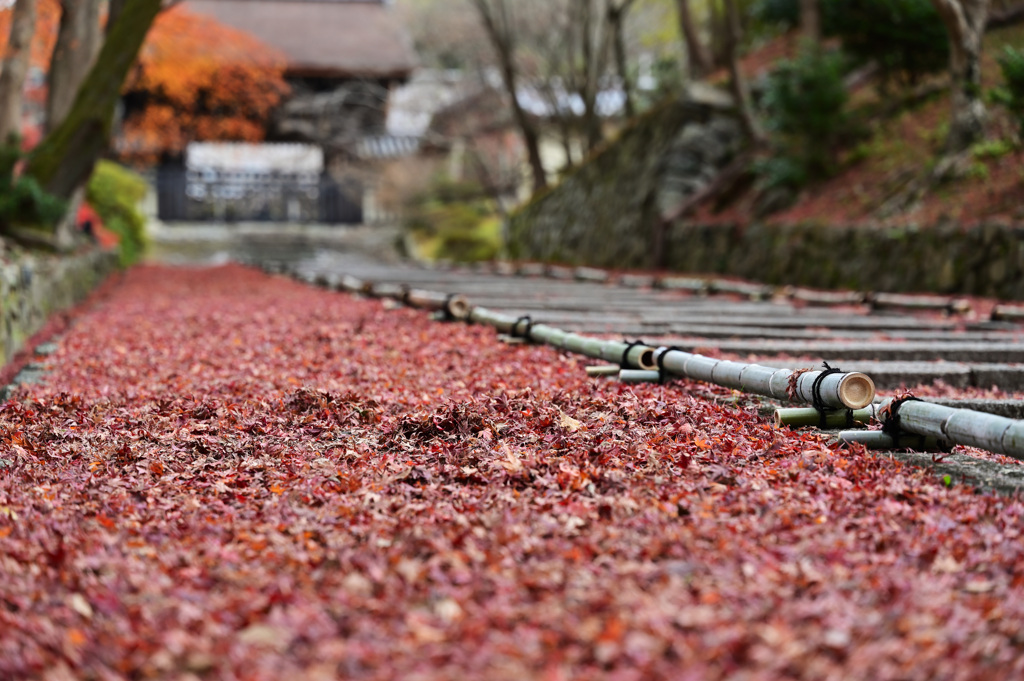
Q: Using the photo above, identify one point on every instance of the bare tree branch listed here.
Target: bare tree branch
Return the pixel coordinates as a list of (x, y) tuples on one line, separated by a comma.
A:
[(699, 61), (616, 18), (497, 22), (737, 83)]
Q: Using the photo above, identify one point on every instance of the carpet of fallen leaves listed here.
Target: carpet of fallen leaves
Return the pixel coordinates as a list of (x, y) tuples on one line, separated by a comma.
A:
[(235, 476)]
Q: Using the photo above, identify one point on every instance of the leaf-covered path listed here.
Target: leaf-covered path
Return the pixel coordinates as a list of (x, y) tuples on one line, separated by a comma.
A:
[(234, 476)]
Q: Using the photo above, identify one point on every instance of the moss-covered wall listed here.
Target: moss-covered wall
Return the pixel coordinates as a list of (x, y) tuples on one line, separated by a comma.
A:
[(34, 287), (987, 260)]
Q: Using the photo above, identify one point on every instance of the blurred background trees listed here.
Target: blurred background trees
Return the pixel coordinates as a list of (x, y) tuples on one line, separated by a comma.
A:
[(550, 83), (79, 62), (197, 80)]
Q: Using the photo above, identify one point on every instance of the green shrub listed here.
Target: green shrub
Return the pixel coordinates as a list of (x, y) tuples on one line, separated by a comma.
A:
[(992, 149), (786, 12), (977, 171), (22, 201), (115, 192), (805, 113), (905, 37), (1011, 93), (481, 242), (453, 221), (450, 191), (781, 171)]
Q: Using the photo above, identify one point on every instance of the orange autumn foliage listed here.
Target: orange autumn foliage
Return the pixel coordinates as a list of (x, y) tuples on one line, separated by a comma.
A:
[(198, 80)]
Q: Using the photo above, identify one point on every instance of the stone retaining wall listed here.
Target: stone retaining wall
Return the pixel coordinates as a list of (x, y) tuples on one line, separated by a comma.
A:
[(34, 287), (986, 261), (606, 213)]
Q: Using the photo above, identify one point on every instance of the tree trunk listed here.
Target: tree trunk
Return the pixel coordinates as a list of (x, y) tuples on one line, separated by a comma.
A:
[(66, 156), (719, 34), (497, 24), (616, 17), (595, 43), (15, 67), (965, 23), (698, 57), (810, 21), (78, 42), (737, 83), (114, 8), (587, 61)]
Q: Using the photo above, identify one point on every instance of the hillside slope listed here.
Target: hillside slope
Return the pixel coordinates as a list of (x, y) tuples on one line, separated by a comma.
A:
[(904, 134)]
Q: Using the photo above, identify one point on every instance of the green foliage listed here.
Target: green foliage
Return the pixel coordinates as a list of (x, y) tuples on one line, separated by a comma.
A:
[(1011, 93), (781, 171), (786, 12), (481, 242), (805, 112), (977, 171), (905, 37), (115, 192), (992, 149), (454, 221), (447, 190), (22, 201)]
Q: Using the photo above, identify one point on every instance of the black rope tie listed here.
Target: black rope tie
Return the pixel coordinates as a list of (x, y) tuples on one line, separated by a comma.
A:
[(624, 362), (891, 424), (446, 307), (526, 332), (819, 404), (661, 362)]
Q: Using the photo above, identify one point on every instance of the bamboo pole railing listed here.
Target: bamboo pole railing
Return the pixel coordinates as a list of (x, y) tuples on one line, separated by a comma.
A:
[(851, 390), (990, 432), (841, 390), (634, 355)]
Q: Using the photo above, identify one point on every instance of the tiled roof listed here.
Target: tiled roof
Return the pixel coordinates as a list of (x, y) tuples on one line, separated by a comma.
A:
[(332, 38)]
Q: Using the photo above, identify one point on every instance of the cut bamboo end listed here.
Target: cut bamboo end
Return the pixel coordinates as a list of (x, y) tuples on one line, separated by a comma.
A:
[(856, 390), (458, 307), (648, 359)]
